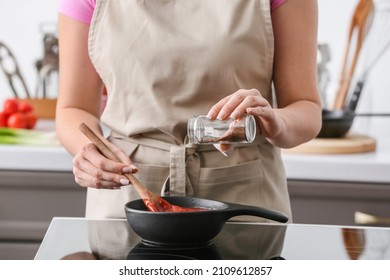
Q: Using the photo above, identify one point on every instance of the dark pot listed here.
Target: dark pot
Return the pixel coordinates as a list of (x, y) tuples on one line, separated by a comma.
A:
[(189, 228), (336, 124)]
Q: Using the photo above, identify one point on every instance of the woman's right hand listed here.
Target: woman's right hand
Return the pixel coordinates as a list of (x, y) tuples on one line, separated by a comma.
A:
[(92, 169)]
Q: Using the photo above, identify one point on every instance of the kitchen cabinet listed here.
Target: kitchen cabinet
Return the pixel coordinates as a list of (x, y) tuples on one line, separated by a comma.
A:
[(332, 202), (329, 189), (28, 202)]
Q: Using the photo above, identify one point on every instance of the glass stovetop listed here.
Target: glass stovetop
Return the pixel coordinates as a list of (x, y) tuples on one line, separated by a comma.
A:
[(78, 238)]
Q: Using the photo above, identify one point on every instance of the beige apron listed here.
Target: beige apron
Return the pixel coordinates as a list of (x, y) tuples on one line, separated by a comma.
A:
[(164, 61)]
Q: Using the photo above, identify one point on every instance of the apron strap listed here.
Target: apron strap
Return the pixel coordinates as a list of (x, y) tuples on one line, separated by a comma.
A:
[(184, 171), (177, 169)]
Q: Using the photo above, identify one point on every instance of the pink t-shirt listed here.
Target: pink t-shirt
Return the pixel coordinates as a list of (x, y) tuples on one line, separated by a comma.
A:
[(82, 10)]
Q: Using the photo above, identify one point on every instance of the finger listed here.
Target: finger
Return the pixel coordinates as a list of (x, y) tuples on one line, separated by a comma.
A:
[(88, 172), (100, 185), (269, 125), (264, 113), (122, 157), (215, 110), (91, 154), (238, 102), (90, 165), (248, 102)]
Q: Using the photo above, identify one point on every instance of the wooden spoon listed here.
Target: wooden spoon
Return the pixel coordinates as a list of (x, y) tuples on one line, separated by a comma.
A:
[(360, 24), (354, 242), (152, 202)]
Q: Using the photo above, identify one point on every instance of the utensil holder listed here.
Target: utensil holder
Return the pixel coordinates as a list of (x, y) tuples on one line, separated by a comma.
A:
[(44, 108)]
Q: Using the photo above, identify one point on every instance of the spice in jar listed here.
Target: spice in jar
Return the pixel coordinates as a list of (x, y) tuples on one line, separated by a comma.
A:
[(203, 130)]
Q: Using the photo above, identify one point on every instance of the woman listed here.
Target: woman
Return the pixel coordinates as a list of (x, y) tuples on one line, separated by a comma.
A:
[(165, 61)]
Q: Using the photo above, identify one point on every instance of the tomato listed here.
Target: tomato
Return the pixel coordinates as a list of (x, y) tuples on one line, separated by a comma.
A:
[(10, 106), (24, 106), (18, 114), (17, 120), (31, 119), (3, 119)]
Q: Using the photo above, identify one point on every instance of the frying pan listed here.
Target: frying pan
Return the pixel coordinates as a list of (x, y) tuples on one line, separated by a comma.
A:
[(188, 228), (336, 123)]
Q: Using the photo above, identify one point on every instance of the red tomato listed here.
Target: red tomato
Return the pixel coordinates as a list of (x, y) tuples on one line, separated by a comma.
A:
[(31, 119), (25, 107), (17, 120), (10, 106), (3, 119)]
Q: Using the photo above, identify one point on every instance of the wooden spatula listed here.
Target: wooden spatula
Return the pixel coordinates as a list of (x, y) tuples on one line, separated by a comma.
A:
[(360, 24), (153, 202)]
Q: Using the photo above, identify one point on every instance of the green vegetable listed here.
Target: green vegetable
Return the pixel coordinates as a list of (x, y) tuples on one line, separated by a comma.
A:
[(13, 136)]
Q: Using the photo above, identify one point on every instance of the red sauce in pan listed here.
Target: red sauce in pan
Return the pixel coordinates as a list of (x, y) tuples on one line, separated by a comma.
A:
[(164, 206)]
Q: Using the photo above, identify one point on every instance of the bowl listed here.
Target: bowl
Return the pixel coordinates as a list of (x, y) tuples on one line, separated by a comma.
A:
[(335, 123)]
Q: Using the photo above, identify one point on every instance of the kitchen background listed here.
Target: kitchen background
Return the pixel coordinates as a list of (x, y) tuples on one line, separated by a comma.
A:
[(325, 189), (23, 22)]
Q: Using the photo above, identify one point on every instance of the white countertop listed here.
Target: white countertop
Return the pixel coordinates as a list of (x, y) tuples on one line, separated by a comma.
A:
[(365, 167), (36, 158)]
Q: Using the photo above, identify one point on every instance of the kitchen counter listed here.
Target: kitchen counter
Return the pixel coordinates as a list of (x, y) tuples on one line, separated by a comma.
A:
[(79, 238), (371, 167), (365, 167)]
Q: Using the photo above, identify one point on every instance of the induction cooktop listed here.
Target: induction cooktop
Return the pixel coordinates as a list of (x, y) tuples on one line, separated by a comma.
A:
[(78, 238)]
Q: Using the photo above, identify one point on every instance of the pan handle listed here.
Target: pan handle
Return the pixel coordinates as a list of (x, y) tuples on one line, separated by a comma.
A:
[(239, 209)]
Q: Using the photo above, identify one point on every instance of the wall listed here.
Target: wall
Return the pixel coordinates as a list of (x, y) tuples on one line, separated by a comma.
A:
[(19, 28), (20, 22)]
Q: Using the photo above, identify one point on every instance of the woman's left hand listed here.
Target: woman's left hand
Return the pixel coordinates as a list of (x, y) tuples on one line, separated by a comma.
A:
[(249, 102)]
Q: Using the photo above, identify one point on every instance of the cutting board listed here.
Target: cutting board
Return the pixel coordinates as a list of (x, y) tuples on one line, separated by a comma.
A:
[(350, 144)]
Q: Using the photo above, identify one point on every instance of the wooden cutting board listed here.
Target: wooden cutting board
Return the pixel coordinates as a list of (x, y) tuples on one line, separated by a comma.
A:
[(350, 144)]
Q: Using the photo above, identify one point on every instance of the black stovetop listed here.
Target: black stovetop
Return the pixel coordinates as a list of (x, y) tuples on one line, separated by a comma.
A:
[(78, 238)]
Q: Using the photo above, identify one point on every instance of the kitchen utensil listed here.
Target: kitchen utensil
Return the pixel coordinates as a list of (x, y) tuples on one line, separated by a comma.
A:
[(336, 123), (354, 241), (359, 25), (323, 58), (191, 228), (48, 66), (12, 72), (379, 43), (371, 220), (153, 202)]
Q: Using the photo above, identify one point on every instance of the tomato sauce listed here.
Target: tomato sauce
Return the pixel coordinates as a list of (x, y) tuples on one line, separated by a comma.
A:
[(164, 206)]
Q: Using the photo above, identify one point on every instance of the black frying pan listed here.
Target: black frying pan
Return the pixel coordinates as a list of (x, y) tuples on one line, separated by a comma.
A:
[(189, 228), (336, 123)]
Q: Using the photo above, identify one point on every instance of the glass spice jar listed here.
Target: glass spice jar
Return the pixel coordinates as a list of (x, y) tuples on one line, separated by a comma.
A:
[(202, 130)]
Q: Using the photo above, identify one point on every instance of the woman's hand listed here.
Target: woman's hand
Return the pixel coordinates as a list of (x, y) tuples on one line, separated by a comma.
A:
[(250, 102), (92, 169), (296, 122)]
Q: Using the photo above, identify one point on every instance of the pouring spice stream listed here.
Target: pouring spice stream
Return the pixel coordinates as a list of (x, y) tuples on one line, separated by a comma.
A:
[(152, 202)]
